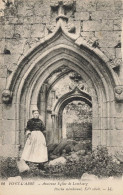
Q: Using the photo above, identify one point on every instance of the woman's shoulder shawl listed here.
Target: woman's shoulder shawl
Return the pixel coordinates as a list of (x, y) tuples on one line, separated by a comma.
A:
[(29, 124)]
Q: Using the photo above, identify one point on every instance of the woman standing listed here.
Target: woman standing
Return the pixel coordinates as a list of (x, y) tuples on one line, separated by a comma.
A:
[(35, 149)]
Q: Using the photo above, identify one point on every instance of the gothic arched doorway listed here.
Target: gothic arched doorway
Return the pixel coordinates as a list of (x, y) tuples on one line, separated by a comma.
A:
[(57, 50), (76, 95), (60, 88)]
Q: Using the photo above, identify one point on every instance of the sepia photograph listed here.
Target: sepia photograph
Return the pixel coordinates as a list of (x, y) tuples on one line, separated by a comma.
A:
[(61, 97)]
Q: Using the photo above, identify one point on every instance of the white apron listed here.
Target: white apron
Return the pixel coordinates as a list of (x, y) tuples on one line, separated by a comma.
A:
[(35, 149)]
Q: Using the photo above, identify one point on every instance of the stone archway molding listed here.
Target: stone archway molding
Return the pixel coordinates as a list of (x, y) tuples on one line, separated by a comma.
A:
[(78, 41), (75, 94), (55, 50)]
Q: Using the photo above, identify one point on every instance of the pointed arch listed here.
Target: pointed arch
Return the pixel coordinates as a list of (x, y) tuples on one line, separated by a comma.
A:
[(54, 51), (75, 94)]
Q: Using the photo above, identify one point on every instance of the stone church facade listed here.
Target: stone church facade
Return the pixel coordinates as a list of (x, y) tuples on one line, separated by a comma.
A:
[(46, 42)]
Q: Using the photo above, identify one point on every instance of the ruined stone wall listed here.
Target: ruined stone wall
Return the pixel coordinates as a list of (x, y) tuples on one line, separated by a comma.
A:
[(25, 22)]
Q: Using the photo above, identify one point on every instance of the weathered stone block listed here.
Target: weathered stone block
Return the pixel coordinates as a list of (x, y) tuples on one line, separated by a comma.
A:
[(117, 151), (9, 112), (108, 38), (37, 30), (96, 123), (41, 8), (103, 123), (96, 138), (8, 125), (98, 25), (115, 138), (23, 30), (1, 140), (18, 30), (3, 73), (24, 9), (11, 61), (2, 31), (81, 16), (29, 19), (46, 19), (107, 123), (1, 122), (11, 20), (91, 26), (0, 112), (9, 31), (118, 53), (88, 34), (109, 14), (109, 52), (119, 123), (104, 138), (106, 25), (2, 84), (37, 19), (118, 24), (89, 177), (60, 160), (9, 137), (121, 12), (60, 147), (2, 46), (11, 152), (20, 19), (105, 5), (89, 5), (15, 46)]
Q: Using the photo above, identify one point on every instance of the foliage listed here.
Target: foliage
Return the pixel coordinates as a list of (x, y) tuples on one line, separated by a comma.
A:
[(54, 169), (99, 163), (8, 167)]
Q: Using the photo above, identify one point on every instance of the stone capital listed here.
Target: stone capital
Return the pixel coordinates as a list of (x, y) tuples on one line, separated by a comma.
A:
[(119, 93), (7, 96)]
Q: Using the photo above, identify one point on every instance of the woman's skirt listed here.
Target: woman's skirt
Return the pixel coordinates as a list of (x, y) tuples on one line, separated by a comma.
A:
[(35, 149)]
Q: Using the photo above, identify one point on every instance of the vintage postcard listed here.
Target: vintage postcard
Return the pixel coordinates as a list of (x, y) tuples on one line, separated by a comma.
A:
[(61, 85)]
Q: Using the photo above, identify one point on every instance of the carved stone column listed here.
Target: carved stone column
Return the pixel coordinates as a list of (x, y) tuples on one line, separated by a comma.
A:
[(55, 131), (121, 68)]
